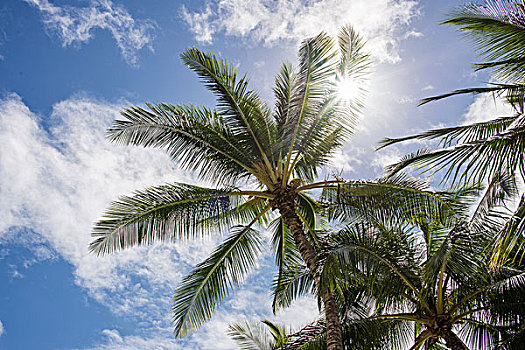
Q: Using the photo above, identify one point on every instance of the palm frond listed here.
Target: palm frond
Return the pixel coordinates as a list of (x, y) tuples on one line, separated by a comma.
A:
[(510, 242), (486, 217), (241, 108), (286, 257), (251, 336), (398, 198), (354, 66), (316, 67), (497, 28), (474, 160), (164, 212), (513, 93), (373, 257), (197, 138), (292, 282), (459, 134), (317, 143), (212, 280), (324, 125)]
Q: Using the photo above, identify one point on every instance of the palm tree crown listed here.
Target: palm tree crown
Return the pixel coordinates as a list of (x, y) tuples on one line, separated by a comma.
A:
[(275, 154)]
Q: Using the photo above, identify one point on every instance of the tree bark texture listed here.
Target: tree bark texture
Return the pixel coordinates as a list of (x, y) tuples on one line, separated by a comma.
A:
[(334, 337), (453, 342)]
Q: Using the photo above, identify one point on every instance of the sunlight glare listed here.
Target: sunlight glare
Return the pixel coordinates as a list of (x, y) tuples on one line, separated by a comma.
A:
[(348, 89)]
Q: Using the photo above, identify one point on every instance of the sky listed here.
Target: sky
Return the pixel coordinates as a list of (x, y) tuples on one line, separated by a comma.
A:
[(66, 70)]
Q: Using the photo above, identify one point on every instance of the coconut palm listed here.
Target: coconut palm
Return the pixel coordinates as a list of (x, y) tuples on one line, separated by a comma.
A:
[(366, 203), (273, 155), (485, 150), (428, 284), (262, 165)]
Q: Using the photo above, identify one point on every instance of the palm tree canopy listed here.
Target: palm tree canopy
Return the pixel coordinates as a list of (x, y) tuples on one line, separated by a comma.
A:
[(484, 151), (241, 142), (429, 283), (258, 161)]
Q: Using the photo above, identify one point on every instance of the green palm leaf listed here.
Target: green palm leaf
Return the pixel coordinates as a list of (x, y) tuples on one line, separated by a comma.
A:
[(251, 336), (316, 66), (198, 138), (200, 292), (474, 160), (497, 28), (459, 134), (398, 198), (164, 212), (242, 109), (510, 242)]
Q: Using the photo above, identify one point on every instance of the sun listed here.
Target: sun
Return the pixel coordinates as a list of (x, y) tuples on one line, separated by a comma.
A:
[(348, 89)]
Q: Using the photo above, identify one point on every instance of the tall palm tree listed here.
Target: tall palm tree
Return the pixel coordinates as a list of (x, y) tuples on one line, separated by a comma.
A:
[(274, 155), (485, 150), (425, 285), (263, 165)]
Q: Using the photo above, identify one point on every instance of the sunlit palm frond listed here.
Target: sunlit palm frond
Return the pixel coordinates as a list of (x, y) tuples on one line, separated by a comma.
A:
[(251, 336), (386, 262), (497, 28), (286, 257), (513, 93), (240, 214), (398, 198), (196, 137), (474, 160), (241, 108), (459, 134), (165, 212), (490, 213), (326, 123), (354, 67), (510, 243), (316, 67), (285, 90), (293, 282), (212, 280), (315, 145), (360, 332)]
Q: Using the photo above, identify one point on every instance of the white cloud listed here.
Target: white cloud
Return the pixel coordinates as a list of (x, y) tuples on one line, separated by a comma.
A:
[(76, 25), (486, 107), (2, 330), (113, 335), (385, 157), (383, 22), (58, 182)]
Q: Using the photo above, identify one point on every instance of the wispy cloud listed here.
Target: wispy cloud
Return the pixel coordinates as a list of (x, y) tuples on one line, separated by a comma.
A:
[(58, 182), (486, 107), (383, 23), (2, 330), (77, 24)]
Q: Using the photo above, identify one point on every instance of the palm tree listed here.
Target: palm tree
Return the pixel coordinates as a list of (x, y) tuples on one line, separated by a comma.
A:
[(425, 284), (486, 150), (274, 155), (398, 200)]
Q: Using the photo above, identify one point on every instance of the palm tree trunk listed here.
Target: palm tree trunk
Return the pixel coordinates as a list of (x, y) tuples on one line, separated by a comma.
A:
[(453, 342), (334, 338)]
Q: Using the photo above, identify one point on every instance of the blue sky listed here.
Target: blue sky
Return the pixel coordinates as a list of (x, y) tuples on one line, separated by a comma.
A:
[(66, 70)]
